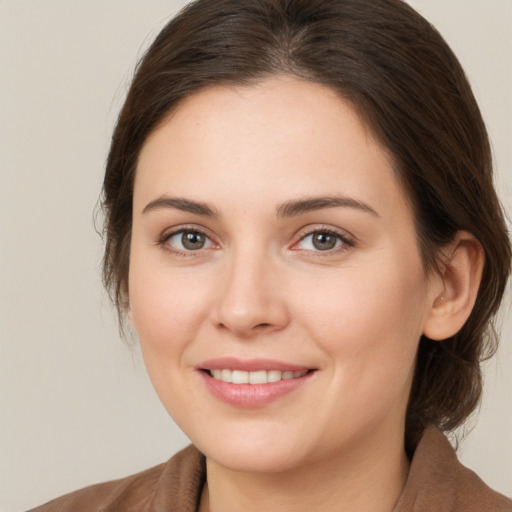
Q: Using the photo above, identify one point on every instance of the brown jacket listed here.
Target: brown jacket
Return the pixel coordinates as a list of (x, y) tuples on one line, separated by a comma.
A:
[(437, 482)]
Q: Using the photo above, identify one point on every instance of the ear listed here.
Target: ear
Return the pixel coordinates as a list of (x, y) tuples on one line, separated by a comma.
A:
[(456, 288)]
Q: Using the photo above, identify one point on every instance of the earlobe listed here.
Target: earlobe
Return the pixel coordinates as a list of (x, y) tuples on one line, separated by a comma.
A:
[(460, 277)]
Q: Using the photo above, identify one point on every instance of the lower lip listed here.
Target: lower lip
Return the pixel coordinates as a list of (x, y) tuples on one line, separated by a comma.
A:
[(250, 396)]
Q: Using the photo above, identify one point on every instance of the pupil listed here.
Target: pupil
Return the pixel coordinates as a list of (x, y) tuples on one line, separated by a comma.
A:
[(324, 241), (192, 240)]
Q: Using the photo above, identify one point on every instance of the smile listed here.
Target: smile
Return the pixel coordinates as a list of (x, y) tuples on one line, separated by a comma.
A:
[(255, 377), (254, 383)]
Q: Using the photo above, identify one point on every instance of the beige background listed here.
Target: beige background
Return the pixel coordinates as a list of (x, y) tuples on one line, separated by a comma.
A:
[(75, 404)]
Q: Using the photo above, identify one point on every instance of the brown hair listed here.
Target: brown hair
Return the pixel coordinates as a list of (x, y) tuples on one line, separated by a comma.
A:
[(404, 80)]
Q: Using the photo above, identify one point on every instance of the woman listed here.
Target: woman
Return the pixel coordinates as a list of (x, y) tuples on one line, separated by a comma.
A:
[(302, 229)]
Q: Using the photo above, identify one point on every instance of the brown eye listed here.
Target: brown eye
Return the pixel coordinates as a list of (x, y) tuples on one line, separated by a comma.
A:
[(324, 241), (193, 240), (186, 240)]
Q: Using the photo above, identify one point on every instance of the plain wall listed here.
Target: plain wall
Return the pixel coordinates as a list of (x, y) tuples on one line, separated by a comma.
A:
[(75, 404)]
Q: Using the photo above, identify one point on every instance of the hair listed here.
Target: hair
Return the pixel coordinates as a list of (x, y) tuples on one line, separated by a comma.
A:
[(408, 86)]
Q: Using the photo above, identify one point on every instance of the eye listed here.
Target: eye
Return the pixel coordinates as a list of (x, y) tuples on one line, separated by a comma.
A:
[(322, 240), (186, 240)]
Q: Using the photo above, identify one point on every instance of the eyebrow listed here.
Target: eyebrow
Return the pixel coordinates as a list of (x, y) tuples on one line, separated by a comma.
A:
[(287, 209), (180, 203), (292, 208)]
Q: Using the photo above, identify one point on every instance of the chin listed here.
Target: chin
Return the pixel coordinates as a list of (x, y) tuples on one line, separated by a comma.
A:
[(254, 461), (247, 453)]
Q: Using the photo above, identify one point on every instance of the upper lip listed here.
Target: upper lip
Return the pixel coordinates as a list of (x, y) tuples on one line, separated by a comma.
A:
[(249, 365)]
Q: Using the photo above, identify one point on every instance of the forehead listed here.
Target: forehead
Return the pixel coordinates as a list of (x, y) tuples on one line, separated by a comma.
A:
[(282, 136)]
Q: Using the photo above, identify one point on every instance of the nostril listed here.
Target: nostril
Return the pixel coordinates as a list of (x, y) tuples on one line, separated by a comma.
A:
[(248, 319)]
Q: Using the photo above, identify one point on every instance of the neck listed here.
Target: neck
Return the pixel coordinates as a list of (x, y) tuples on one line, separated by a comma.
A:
[(353, 480)]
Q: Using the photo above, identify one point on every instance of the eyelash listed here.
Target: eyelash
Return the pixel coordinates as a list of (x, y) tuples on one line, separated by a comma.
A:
[(343, 241), (163, 241)]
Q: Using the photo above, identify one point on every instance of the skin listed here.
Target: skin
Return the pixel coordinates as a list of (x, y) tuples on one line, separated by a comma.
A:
[(259, 288)]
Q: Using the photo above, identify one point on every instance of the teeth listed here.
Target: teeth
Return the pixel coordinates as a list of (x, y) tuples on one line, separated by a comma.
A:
[(217, 374), (274, 376), (257, 377), (239, 377), (226, 375)]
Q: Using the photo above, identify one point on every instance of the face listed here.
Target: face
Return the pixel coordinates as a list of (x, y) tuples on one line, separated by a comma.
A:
[(275, 281)]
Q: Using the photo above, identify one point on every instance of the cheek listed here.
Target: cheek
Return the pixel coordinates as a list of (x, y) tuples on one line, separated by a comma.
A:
[(370, 329), (167, 311), (166, 308), (370, 323)]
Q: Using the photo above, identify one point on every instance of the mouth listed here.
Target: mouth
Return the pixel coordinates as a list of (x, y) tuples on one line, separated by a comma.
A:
[(252, 383), (254, 377)]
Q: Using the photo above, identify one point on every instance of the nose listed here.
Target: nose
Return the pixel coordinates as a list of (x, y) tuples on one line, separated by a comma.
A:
[(252, 298)]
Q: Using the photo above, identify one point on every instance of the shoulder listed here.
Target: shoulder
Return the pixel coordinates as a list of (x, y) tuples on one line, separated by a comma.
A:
[(174, 485), (438, 481)]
